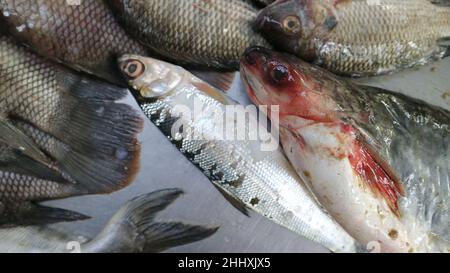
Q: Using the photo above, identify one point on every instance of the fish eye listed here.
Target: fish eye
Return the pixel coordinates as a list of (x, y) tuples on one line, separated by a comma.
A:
[(133, 68), (279, 73), (292, 24)]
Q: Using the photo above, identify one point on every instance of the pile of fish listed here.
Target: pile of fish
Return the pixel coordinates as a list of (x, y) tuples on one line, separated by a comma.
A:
[(360, 167)]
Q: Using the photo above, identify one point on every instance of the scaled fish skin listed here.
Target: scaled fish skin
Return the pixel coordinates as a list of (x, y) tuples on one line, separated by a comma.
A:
[(85, 36), (358, 37), (246, 175), (132, 229), (377, 161), (61, 134), (202, 33)]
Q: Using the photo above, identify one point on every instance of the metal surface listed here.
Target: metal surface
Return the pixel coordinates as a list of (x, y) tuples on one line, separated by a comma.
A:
[(162, 166)]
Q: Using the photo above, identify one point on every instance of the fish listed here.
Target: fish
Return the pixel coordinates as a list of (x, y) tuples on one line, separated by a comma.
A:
[(62, 134), (84, 35), (205, 34), (249, 175), (133, 229), (359, 38), (376, 160)]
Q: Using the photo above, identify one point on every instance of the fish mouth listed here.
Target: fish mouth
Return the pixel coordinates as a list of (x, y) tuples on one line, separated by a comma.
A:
[(251, 63)]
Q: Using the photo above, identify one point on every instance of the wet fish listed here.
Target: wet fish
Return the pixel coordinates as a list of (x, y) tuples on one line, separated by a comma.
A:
[(248, 174), (85, 35), (132, 229), (203, 33), (378, 161), (61, 134), (359, 37)]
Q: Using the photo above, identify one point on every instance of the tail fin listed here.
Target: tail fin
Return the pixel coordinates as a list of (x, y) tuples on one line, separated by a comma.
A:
[(133, 228), (95, 140)]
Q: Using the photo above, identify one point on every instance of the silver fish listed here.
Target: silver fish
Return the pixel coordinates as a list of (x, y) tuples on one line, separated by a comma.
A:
[(131, 229), (261, 180), (378, 161)]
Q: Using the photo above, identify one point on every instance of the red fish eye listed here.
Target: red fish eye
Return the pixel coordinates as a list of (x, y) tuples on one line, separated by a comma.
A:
[(279, 73)]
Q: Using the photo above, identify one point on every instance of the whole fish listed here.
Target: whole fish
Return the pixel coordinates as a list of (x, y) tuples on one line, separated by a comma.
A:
[(203, 33), (376, 160), (84, 35), (359, 37), (132, 229), (248, 174), (61, 134)]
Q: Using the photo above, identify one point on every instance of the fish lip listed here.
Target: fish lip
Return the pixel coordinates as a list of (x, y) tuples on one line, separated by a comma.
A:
[(264, 22)]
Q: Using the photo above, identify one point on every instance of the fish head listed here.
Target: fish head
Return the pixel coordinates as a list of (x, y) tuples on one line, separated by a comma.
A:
[(276, 79), (295, 25), (150, 77)]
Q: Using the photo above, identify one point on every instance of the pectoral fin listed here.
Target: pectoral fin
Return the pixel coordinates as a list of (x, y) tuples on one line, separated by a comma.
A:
[(15, 138), (27, 213), (377, 173)]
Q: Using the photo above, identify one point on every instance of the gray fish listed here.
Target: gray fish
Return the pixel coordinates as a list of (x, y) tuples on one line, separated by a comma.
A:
[(61, 134), (359, 37), (204, 33), (378, 161), (85, 36), (132, 229), (248, 174)]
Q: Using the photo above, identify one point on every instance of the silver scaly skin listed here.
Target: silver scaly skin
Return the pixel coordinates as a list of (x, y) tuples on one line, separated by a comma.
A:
[(262, 181), (132, 229), (378, 161)]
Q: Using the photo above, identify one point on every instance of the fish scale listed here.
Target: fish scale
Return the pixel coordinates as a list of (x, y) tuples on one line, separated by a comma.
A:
[(65, 134), (205, 33), (85, 36), (378, 161), (363, 38), (261, 180)]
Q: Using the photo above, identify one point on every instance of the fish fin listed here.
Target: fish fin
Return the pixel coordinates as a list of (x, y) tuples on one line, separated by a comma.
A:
[(95, 172), (162, 236), (95, 139), (375, 171), (19, 163), (236, 203), (220, 80), (133, 228), (12, 136), (445, 43), (444, 3), (27, 213)]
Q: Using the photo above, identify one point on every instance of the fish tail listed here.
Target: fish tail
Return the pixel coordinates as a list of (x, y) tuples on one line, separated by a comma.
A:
[(94, 141), (134, 229)]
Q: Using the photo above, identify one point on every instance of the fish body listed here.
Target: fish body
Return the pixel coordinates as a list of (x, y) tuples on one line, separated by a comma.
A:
[(132, 229), (359, 37), (62, 134), (249, 175), (86, 36), (376, 160), (205, 34)]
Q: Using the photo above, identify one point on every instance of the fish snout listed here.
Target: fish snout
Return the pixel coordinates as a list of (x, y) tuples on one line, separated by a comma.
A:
[(255, 55)]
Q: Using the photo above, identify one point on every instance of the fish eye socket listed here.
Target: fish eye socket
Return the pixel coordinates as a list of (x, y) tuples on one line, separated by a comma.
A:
[(133, 68), (292, 24), (279, 73)]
